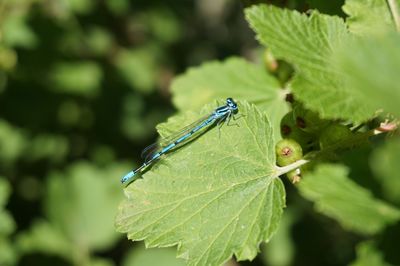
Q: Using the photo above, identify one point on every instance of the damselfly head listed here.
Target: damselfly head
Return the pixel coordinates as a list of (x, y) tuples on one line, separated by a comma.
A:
[(232, 105)]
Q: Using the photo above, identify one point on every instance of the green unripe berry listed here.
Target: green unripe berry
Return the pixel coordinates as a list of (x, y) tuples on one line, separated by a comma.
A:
[(290, 130), (284, 72), (287, 124), (333, 134), (294, 176), (307, 120), (270, 61), (287, 152)]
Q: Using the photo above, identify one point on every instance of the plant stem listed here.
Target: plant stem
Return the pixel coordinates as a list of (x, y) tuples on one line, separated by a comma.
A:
[(342, 145), (291, 167), (394, 9)]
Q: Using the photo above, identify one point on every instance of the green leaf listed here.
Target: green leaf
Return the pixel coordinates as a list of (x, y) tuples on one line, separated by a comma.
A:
[(338, 197), (384, 163), (215, 197), (367, 255), (300, 39), (371, 68), (82, 78), (368, 16), (81, 203), (150, 257), (234, 78), (307, 43)]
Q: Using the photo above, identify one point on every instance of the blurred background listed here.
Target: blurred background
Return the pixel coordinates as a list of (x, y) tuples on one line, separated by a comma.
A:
[(83, 83)]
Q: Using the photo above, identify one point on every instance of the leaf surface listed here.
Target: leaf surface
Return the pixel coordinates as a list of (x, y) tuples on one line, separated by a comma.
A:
[(370, 67), (234, 78), (214, 197), (368, 16), (385, 164), (307, 42), (338, 197)]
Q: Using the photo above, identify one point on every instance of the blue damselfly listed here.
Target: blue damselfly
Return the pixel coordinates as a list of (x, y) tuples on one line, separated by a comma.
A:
[(152, 153)]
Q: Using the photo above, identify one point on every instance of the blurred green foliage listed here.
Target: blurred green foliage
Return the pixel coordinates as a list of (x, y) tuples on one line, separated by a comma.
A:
[(82, 86), (7, 227)]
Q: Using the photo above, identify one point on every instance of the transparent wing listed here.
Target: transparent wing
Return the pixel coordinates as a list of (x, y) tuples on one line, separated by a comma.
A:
[(154, 148), (150, 149)]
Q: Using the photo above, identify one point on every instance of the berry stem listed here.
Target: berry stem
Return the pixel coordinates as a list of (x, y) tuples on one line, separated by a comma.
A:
[(345, 144), (285, 169)]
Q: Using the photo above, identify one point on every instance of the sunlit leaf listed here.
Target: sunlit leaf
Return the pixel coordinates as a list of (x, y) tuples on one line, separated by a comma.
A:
[(371, 67), (234, 78), (214, 197), (307, 42)]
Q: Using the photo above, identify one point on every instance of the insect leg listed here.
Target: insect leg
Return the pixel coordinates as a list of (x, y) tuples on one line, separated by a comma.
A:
[(232, 116)]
